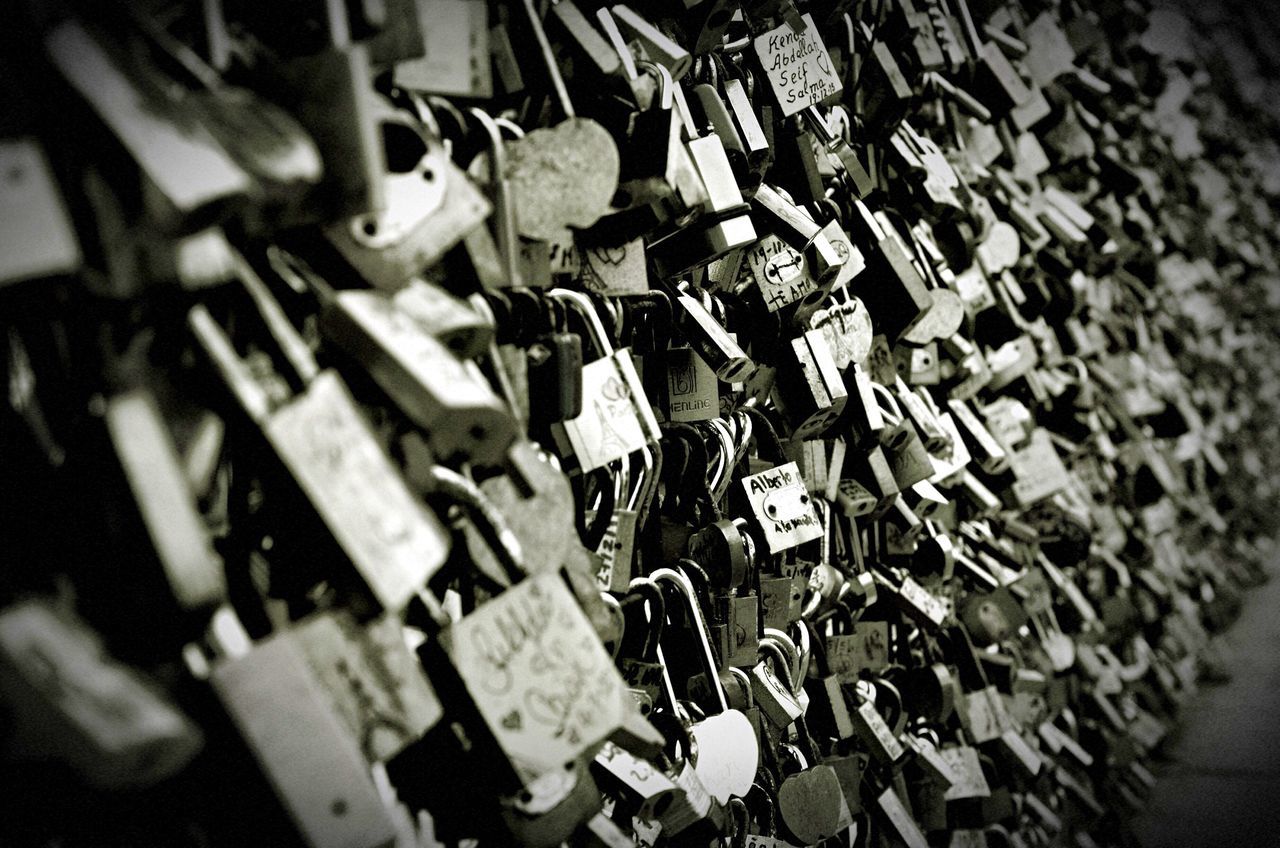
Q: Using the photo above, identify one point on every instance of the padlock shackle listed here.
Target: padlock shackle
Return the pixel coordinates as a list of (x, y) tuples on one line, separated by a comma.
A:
[(665, 100), (619, 44), (486, 517), (586, 309), (504, 211), (558, 89), (684, 587)]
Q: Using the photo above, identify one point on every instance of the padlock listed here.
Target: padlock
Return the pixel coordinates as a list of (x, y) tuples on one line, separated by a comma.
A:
[(373, 680), (810, 390), (829, 712), (440, 67), (796, 42), (692, 391), (327, 446), (656, 45), (190, 174), (790, 224), (710, 339), (659, 183), (651, 792), (617, 548), (782, 507), (326, 82), (543, 703), (68, 700), (811, 804), (899, 306), (565, 175), (280, 708), (431, 205), (166, 505), (724, 223), (616, 419), (757, 150), (639, 663), (432, 385), (727, 751), (551, 809), (33, 204), (593, 60), (553, 360)]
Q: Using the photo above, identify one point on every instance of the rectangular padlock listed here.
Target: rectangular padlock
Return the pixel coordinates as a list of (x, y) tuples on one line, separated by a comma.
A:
[(282, 711)]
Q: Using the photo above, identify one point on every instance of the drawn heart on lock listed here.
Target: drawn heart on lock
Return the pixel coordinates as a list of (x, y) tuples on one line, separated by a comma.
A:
[(809, 803), (728, 754), (562, 176)]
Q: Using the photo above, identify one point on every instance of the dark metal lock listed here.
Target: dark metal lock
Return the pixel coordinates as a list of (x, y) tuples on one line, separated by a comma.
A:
[(659, 182), (883, 90), (552, 809), (811, 804), (898, 305), (555, 367), (861, 421), (555, 362), (828, 714)]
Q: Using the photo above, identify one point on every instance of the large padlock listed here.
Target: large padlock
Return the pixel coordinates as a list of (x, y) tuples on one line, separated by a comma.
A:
[(391, 336), (281, 708), (394, 541)]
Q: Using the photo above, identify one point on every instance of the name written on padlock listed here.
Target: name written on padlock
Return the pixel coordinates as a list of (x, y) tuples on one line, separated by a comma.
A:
[(539, 675), (798, 66), (782, 506), (779, 271)]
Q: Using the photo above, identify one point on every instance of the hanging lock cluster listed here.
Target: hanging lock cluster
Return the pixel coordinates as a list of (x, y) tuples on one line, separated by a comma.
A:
[(729, 422)]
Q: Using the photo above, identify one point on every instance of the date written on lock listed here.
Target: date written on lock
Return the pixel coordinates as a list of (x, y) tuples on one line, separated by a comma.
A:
[(781, 504)]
